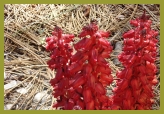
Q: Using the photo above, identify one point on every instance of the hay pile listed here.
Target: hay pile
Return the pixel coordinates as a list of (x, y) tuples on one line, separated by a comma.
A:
[(26, 78)]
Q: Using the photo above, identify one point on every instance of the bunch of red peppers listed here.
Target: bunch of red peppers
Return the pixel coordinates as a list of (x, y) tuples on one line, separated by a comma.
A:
[(81, 78)]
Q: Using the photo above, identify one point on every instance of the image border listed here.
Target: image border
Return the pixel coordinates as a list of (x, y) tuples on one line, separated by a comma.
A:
[(84, 2)]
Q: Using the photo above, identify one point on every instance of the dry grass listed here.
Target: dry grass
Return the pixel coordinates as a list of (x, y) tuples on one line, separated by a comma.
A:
[(27, 25)]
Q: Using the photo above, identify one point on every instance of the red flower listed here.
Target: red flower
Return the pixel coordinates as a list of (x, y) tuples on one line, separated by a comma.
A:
[(134, 90), (77, 85)]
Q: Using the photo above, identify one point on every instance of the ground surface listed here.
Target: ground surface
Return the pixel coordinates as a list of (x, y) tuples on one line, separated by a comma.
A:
[(26, 75)]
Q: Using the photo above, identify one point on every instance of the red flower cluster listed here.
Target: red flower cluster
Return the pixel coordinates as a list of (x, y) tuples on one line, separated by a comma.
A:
[(81, 79), (89, 68), (61, 52), (134, 89), (58, 45)]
